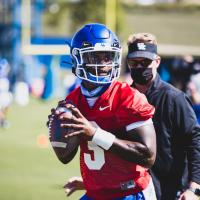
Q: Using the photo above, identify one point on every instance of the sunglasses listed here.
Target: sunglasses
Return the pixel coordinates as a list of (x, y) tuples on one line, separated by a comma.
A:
[(134, 63)]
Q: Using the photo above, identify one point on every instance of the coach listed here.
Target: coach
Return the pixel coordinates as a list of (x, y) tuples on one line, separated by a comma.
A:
[(176, 172)]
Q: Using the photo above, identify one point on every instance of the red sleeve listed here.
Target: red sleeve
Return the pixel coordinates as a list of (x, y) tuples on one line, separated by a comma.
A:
[(133, 107)]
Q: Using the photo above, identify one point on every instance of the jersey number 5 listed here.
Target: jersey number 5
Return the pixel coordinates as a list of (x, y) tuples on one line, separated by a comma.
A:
[(99, 157)]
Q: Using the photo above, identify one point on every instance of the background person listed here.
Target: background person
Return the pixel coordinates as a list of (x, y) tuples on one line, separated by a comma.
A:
[(193, 89), (177, 167), (5, 94), (117, 137), (181, 70)]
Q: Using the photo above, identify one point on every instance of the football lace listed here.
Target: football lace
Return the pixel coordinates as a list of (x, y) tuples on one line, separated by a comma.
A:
[(50, 123)]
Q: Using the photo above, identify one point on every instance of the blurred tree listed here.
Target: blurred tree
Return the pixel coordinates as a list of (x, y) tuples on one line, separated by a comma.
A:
[(178, 1), (87, 11), (73, 14)]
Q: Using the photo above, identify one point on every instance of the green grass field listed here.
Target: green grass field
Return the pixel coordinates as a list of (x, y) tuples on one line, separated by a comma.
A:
[(27, 171)]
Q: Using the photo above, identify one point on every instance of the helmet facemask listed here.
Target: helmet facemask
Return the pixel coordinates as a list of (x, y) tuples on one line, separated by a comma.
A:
[(99, 64)]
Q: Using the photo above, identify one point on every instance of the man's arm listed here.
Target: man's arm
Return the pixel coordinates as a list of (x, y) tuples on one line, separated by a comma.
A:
[(138, 145), (186, 123)]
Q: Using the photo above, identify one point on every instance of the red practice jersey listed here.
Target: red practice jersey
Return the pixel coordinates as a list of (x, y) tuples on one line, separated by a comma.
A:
[(105, 174)]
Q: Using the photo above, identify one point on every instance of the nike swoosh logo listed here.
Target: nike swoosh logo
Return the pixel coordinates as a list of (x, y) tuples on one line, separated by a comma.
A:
[(103, 108)]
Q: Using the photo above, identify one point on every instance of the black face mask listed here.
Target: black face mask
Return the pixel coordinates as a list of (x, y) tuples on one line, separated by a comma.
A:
[(141, 75)]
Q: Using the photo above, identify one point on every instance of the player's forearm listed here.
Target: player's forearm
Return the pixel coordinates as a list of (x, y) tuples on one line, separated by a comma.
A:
[(134, 152), (137, 146)]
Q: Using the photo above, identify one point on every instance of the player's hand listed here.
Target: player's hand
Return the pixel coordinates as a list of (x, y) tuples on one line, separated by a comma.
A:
[(78, 122), (61, 103), (188, 195), (73, 184)]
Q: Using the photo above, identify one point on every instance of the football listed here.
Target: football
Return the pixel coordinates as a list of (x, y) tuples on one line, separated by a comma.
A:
[(65, 148)]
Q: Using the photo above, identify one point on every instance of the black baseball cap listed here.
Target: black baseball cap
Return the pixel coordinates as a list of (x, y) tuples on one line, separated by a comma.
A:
[(142, 50)]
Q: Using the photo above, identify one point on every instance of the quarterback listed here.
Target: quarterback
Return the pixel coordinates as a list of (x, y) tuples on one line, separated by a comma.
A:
[(113, 121)]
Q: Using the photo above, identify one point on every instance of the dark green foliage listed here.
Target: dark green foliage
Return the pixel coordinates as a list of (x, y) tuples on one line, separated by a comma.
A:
[(87, 11)]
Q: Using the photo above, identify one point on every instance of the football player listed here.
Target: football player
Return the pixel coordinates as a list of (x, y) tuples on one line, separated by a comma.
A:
[(113, 121), (6, 96)]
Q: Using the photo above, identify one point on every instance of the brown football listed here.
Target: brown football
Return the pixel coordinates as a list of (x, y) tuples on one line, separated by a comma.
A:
[(65, 148)]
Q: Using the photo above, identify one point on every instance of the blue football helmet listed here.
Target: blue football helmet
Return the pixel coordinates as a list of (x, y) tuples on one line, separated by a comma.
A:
[(96, 54)]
